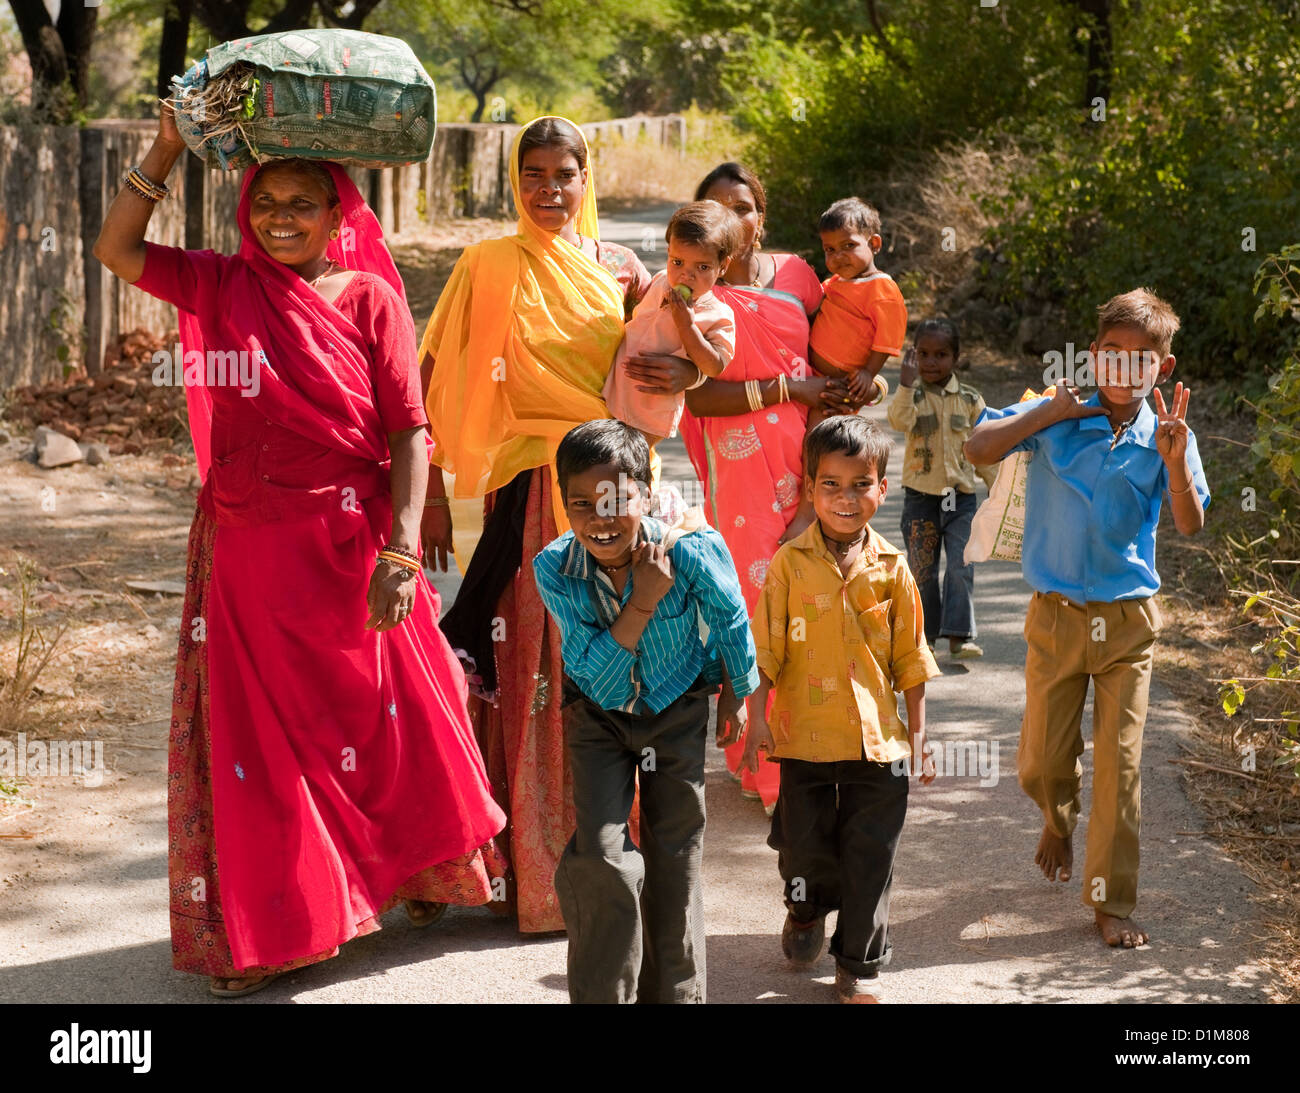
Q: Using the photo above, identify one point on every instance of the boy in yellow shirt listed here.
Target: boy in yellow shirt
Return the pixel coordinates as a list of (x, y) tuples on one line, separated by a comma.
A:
[(838, 630)]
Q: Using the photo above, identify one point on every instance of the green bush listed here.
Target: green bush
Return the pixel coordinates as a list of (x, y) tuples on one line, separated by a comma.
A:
[(831, 113), (1188, 178), (1267, 566)]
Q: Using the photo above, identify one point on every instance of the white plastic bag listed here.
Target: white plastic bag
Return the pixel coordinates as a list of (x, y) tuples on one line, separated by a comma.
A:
[(998, 527)]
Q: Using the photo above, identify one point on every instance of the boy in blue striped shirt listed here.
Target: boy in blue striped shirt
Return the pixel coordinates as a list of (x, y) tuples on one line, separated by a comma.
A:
[(629, 596)]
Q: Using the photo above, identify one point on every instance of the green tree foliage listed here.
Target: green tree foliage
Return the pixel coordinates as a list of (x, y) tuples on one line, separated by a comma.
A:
[(1187, 179), (510, 59), (664, 62), (833, 106), (1172, 181)]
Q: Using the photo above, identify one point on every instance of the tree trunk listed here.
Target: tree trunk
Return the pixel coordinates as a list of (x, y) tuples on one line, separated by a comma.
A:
[(228, 19), (478, 83), (76, 27), (1099, 54), (175, 42), (59, 55)]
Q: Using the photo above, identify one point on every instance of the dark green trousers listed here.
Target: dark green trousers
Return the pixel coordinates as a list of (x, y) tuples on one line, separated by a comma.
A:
[(635, 916)]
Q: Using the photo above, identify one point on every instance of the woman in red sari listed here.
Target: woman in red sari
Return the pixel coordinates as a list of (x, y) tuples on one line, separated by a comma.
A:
[(751, 461), (321, 763), (515, 355)]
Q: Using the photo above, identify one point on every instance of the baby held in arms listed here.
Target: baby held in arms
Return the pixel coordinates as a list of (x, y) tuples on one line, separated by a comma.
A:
[(679, 316), (863, 320)]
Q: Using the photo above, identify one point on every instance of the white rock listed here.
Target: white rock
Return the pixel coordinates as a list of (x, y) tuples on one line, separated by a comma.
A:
[(54, 449)]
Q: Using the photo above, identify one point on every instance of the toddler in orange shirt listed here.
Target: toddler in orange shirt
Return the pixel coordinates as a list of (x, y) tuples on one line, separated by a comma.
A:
[(863, 319)]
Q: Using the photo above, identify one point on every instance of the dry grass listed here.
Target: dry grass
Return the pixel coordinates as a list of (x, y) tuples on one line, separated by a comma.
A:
[(32, 651), (111, 674), (933, 216), (630, 172), (1253, 813), (426, 263)]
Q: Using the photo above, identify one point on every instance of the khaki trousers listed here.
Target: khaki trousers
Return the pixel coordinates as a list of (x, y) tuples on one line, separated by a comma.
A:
[(1112, 644)]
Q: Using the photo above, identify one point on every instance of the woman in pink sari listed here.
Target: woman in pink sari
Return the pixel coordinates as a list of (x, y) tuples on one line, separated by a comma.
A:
[(751, 460), (321, 763)]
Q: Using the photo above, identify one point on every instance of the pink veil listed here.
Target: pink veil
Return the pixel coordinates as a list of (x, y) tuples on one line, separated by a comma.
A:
[(360, 246)]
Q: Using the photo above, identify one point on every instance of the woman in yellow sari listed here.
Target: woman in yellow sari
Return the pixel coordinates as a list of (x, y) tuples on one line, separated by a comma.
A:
[(515, 355)]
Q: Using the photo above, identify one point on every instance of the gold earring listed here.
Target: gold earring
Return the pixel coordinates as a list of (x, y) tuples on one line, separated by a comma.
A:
[(758, 244), (334, 233)]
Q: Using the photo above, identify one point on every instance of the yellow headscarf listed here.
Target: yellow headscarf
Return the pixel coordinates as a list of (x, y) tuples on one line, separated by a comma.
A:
[(521, 340)]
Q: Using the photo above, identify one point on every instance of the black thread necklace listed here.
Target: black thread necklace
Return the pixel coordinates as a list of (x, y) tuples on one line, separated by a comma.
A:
[(840, 546)]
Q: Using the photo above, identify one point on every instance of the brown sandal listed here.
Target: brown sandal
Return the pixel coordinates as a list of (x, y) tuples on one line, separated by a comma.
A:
[(240, 992), (422, 913)]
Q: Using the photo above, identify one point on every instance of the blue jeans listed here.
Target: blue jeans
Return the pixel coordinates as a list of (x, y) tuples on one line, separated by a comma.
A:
[(931, 526)]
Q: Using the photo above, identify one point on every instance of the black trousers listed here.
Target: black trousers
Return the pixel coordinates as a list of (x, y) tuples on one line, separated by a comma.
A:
[(835, 831), (635, 917)]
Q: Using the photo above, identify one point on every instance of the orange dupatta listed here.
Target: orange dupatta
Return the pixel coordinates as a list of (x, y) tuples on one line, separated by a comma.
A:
[(521, 341)]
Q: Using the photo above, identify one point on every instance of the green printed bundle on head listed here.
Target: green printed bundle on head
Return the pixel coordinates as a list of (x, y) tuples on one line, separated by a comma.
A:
[(343, 95)]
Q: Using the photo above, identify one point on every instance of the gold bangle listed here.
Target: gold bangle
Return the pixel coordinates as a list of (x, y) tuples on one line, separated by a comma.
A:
[(642, 610), (784, 390), (1178, 493), (157, 187), (398, 560), (144, 186), (436, 502), (754, 395), (139, 191), (880, 387)]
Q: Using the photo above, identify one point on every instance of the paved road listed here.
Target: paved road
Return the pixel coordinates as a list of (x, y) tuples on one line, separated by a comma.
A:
[(83, 914)]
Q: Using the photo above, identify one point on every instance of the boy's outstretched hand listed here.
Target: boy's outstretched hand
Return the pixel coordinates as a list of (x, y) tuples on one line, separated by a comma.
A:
[(928, 772), (732, 716), (759, 738), (1171, 432)]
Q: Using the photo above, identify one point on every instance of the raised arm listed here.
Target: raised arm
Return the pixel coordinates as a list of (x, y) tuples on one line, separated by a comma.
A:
[(992, 440), (1173, 443), (902, 407), (120, 245)]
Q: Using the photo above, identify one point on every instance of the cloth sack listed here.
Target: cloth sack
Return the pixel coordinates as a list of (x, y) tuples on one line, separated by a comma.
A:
[(354, 98)]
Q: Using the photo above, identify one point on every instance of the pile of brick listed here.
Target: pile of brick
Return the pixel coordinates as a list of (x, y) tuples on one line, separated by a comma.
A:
[(120, 407)]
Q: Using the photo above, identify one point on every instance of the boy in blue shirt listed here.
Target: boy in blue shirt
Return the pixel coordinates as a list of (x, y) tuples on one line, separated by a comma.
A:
[(1096, 479), (628, 595)]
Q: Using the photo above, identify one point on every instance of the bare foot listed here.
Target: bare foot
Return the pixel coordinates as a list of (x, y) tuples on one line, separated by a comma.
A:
[(1120, 932), (1054, 856)]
